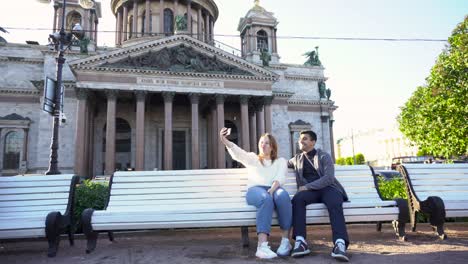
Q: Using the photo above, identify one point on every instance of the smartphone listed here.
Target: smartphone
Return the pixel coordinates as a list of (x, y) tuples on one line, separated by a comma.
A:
[(228, 132)]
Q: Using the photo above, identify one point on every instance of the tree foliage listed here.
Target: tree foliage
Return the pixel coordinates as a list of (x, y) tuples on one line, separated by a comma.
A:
[(435, 117)]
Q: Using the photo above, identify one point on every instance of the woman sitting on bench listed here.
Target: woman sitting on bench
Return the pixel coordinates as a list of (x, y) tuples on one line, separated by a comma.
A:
[(266, 174)]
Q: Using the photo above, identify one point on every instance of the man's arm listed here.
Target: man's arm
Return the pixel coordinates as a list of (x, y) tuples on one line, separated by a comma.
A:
[(291, 163), (328, 175)]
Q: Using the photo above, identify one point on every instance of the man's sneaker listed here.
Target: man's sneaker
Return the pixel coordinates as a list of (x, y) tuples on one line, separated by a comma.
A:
[(285, 248), (264, 252), (300, 249), (339, 251)]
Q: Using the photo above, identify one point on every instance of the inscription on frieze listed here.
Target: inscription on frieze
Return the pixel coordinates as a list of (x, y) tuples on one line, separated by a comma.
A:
[(179, 83)]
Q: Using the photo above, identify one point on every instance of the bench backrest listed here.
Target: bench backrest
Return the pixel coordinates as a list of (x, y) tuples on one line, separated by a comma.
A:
[(185, 188), (447, 181), (25, 195)]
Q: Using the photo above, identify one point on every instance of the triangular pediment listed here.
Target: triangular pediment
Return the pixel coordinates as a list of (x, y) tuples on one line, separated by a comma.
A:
[(173, 55)]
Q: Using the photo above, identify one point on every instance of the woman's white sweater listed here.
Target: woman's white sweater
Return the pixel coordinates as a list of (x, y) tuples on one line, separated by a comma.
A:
[(258, 174)]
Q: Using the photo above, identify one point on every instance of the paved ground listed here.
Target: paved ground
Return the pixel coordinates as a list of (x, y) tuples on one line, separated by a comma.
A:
[(223, 246)]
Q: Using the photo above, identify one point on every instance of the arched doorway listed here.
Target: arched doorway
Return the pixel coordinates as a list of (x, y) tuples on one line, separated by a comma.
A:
[(123, 145)]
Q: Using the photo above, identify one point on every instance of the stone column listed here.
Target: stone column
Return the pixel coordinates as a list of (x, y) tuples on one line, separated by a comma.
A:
[(168, 99), (125, 22), (85, 25), (86, 139), (118, 35), (96, 32), (80, 132), (91, 108), (268, 121), (260, 120), (147, 17), (189, 17), (199, 25), (244, 108), (140, 131), (110, 131), (253, 130), (207, 27), (214, 139), (211, 30), (209, 143), (161, 17), (54, 26), (275, 40), (332, 140), (135, 19), (194, 100), (220, 124)]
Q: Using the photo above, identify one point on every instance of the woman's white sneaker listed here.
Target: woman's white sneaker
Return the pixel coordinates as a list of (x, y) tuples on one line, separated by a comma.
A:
[(285, 248), (264, 252)]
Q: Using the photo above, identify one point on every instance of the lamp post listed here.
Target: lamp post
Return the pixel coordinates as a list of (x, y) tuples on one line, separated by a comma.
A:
[(60, 40)]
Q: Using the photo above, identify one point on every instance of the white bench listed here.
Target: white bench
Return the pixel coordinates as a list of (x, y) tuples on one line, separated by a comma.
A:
[(37, 206), (216, 198), (440, 190)]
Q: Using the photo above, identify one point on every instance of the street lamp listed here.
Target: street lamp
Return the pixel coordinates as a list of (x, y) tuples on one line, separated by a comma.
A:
[(59, 40)]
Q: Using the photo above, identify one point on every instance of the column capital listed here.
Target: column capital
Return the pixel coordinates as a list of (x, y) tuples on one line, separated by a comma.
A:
[(112, 94), (194, 98), (267, 100), (244, 99), (81, 94), (140, 95), (220, 98), (168, 96)]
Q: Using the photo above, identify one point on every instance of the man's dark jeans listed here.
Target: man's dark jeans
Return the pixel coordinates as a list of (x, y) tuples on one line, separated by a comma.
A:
[(332, 198)]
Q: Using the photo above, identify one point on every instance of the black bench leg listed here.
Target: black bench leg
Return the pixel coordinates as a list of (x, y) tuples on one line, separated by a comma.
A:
[(52, 230), (435, 207), (71, 237), (379, 226), (414, 220), (91, 236), (403, 217), (111, 235), (245, 236)]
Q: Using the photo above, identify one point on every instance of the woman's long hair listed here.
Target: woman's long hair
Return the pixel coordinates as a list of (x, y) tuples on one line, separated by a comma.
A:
[(274, 148)]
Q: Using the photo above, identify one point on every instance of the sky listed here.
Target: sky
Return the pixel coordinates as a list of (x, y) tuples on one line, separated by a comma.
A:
[(370, 80)]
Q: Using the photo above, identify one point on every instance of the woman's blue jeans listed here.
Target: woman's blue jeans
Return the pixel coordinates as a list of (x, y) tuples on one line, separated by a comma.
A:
[(266, 203)]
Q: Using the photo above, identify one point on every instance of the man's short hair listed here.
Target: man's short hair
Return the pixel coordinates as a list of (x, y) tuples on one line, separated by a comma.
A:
[(311, 133)]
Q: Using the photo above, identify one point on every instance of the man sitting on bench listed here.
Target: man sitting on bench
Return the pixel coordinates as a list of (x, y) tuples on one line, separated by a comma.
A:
[(316, 183)]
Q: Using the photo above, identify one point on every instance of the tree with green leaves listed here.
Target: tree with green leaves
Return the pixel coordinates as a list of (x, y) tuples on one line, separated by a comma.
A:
[(435, 117)]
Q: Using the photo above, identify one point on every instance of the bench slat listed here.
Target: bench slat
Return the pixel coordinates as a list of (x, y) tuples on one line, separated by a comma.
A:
[(35, 190), (47, 178), (26, 197), (23, 184)]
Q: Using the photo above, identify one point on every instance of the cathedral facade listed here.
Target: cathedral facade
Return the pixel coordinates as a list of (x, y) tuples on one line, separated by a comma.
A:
[(159, 98)]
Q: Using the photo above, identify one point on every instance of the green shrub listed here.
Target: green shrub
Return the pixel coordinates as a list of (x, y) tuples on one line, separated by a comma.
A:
[(349, 161), (340, 161), (89, 195), (360, 159), (392, 189)]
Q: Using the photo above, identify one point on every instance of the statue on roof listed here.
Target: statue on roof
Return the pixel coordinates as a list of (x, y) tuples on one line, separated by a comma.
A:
[(313, 58), (265, 56), (257, 2)]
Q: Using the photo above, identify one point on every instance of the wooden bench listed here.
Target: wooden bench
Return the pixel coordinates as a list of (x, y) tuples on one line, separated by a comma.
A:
[(216, 198), (37, 206), (439, 190)]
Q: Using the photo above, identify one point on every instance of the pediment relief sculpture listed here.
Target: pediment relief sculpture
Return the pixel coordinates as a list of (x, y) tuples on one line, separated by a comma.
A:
[(180, 58)]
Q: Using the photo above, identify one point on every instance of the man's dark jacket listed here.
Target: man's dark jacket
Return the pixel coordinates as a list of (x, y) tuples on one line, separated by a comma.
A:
[(323, 164)]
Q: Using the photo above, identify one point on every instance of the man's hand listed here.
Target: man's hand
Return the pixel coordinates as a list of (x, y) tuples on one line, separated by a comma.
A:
[(302, 188)]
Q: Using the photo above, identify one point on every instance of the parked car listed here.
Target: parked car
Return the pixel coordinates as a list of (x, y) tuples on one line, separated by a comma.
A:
[(388, 174)]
